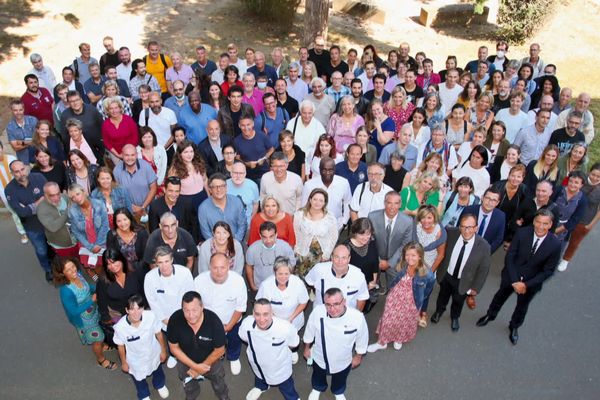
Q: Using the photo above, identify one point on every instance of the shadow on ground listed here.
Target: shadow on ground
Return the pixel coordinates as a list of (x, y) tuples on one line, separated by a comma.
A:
[(13, 14)]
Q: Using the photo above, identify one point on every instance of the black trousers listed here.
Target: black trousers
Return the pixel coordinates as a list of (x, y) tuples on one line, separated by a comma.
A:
[(523, 301), (449, 288)]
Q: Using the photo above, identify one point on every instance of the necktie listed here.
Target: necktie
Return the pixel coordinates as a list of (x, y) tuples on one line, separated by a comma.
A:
[(459, 260), (482, 225), (535, 246), (388, 234)]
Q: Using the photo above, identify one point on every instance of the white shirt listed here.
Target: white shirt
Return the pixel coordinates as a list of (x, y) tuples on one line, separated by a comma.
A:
[(464, 151), (541, 240), (306, 136), (268, 350), (46, 77), (367, 84), (218, 76), (312, 167), (369, 201), (333, 345), (141, 344), (288, 193), (297, 90), (353, 284), (449, 97), (160, 124), (225, 298), (514, 123), (480, 177), (339, 196), (455, 253), (487, 220), (124, 71), (284, 302), (164, 293)]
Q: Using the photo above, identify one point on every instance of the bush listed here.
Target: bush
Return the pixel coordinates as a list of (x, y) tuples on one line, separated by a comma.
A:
[(519, 19), (279, 12)]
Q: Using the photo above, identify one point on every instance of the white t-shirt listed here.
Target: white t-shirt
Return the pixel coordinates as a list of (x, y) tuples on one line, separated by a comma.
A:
[(480, 177), (284, 302), (306, 136), (268, 350), (368, 201), (448, 97), (353, 285), (160, 124), (514, 123), (141, 344), (164, 293), (225, 298), (333, 345)]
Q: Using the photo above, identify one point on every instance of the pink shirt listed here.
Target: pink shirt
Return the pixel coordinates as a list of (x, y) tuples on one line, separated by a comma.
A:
[(117, 137), (193, 184), (399, 117), (185, 74), (343, 134), (255, 100)]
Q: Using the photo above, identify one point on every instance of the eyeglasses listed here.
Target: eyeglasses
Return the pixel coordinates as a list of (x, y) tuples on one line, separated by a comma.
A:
[(218, 186), (468, 228), (333, 305)]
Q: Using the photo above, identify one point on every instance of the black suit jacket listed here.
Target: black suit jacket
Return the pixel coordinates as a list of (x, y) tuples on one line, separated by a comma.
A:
[(494, 233), (183, 210), (520, 266), (209, 155), (476, 267)]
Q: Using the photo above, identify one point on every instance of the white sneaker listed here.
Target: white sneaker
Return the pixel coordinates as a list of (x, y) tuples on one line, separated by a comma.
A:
[(372, 348), (254, 394), (236, 367), (171, 362), (340, 397), (397, 345), (146, 398), (294, 357), (24, 239), (314, 395), (163, 392), (562, 266)]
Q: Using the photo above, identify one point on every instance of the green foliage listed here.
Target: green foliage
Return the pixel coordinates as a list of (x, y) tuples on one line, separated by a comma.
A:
[(594, 149), (519, 19), (280, 12), (479, 6)]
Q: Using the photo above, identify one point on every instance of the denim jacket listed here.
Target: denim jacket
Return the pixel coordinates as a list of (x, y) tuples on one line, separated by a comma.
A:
[(77, 220), (119, 197), (421, 285)]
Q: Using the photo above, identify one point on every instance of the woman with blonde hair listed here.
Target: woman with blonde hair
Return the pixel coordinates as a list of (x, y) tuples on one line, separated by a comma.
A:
[(398, 108), (111, 89), (271, 211), (406, 293), (118, 129), (425, 190), (543, 169), (482, 114), (316, 232), (381, 127)]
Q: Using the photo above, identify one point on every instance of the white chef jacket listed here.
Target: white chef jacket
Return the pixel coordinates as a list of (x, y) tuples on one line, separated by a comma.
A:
[(222, 299), (284, 302), (353, 285)]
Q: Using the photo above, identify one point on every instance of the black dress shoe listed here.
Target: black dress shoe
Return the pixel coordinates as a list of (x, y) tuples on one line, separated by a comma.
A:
[(483, 321), (435, 318), (514, 336), (454, 325), (49, 276)]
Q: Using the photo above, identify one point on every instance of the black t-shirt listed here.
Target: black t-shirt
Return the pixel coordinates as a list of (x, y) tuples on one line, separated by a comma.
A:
[(321, 61), (500, 104), (184, 247), (369, 263), (414, 95), (235, 117), (297, 163), (56, 174), (564, 141), (196, 345), (330, 69), (291, 106)]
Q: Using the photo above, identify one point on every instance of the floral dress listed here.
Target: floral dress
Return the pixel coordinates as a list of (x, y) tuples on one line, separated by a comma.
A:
[(400, 317), (89, 332), (425, 239)]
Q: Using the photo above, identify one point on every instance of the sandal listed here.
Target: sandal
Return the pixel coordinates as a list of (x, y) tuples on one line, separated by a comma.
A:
[(423, 321), (110, 366), (106, 348)]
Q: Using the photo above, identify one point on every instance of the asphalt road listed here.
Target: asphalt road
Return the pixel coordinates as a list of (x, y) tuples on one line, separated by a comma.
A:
[(556, 357)]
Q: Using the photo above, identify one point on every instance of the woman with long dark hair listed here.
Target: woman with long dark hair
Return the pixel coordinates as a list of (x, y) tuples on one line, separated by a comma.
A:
[(188, 165)]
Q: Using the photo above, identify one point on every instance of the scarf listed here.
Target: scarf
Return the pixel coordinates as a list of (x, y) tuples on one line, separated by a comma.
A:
[(444, 151)]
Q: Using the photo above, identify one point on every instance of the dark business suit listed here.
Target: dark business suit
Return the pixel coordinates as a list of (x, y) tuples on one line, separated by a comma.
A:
[(402, 234), (494, 233), (473, 275), (521, 266), (208, 153)]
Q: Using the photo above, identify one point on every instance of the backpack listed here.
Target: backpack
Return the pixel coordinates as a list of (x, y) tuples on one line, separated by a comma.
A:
[(163, 60), (76, 68)]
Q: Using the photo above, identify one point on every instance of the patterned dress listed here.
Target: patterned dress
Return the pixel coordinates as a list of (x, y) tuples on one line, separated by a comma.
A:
[(400, 314), (425, 239), (90, 331)]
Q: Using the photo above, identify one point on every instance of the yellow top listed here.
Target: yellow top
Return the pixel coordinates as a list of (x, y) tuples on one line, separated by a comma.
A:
[(158, 70)]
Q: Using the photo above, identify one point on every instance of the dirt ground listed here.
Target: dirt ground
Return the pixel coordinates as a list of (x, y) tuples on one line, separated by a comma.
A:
[(54, 28)]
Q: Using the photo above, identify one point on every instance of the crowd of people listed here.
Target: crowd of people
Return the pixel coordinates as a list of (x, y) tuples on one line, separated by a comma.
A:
[(185, 211)]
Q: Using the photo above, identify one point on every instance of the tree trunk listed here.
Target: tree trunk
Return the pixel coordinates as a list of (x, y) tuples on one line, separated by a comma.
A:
[(316, 16)]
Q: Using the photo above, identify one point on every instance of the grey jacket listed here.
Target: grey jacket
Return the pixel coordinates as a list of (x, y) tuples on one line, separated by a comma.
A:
[(402, 234), (55, 223)]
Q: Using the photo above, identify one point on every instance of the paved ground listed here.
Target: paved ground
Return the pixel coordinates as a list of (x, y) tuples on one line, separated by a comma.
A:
[(556, 358)]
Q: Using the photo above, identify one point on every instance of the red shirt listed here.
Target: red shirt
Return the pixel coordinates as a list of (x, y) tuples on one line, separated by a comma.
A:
[(116, 138), (41, 107), (285, 229)]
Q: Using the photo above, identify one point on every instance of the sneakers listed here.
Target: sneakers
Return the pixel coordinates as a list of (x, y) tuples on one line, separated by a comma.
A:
[(294, 357), (372, 348), (236, 367), (314, 395), (254, 394), (562, 266), (397, 345), (171, 362), (24, 239), (340, 397), (163, 392)]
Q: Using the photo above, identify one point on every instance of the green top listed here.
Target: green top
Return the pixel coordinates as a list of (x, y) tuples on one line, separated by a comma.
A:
[(410, 201)]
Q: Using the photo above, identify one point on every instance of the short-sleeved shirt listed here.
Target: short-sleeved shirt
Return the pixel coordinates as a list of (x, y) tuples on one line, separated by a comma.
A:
[(196, 345), (185, 74), (285, 302), (247, 193), (39, 107), (252, 150), (160, 123), (184, 247), (355, 178), (195, 123), (92, 87), (137, 183), (564, 141), (262, 258), (222, 298), (16, 132), (352, 284), (157, 69)]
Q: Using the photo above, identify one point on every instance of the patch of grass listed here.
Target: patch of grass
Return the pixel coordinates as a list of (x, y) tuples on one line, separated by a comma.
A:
[(594, 149)]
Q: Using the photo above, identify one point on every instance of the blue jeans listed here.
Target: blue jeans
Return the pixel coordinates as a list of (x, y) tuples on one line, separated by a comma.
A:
[(428, 289), (234, 343), (158, 381), (38, 241), (338, 380), (287, 389)]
